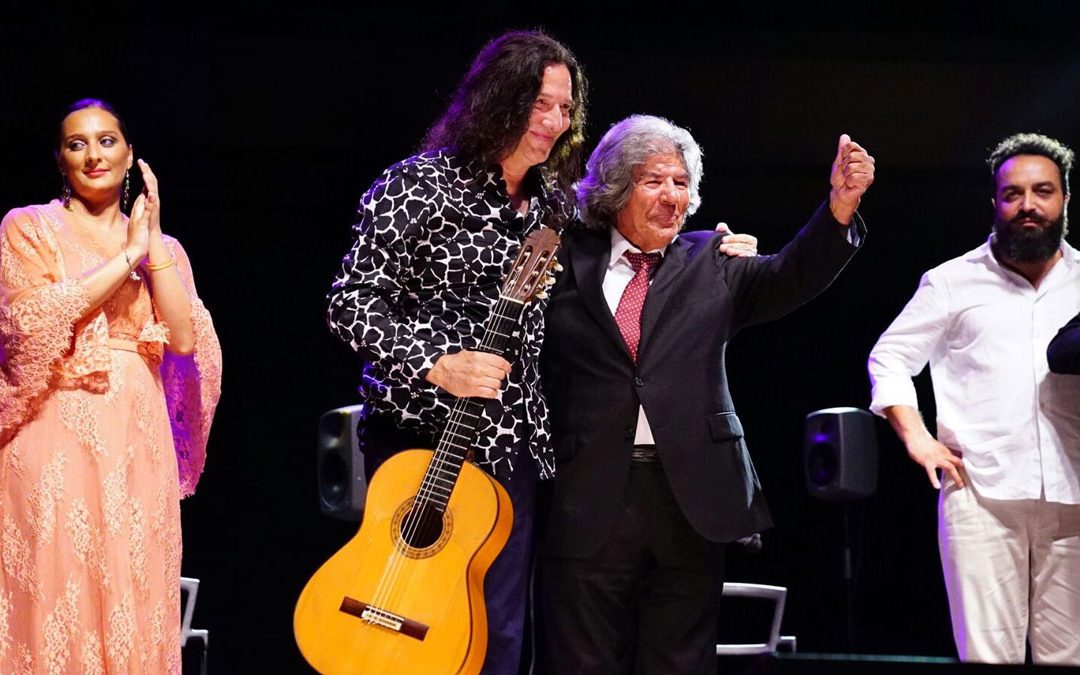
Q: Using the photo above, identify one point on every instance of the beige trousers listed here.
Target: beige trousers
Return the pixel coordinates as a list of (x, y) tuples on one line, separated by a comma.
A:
[(1012, 571)]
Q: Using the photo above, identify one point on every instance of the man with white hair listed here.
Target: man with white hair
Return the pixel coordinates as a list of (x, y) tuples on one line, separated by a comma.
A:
[(653, 475)]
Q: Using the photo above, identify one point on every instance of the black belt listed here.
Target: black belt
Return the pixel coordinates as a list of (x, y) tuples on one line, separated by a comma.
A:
[(645, 454)]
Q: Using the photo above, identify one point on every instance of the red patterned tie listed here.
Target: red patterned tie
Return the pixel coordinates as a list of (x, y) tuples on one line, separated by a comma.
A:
[(628, 313)]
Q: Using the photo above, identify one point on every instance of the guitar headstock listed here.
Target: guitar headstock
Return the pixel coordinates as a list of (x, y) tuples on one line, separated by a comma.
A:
[(531, 274)]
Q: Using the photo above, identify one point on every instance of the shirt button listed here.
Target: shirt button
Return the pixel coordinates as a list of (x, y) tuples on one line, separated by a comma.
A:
[(639, 381)]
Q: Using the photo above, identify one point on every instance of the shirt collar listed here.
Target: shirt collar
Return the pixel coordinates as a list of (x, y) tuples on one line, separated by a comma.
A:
[(490, 176), (620, 245), (1064, 269), (1069, 255)]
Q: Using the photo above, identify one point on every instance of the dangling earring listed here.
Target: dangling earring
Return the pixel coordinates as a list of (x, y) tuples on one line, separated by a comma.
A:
[(65, 194), (127, 189)]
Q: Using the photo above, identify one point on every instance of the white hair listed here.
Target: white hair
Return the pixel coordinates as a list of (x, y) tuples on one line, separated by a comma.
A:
[(609, 177)]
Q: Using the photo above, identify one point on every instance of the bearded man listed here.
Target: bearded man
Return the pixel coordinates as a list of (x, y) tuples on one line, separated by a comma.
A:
[(1008, 441)]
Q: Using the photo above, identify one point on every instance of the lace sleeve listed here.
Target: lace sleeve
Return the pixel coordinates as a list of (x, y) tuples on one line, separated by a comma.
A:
[(38, 312), (192, 385)]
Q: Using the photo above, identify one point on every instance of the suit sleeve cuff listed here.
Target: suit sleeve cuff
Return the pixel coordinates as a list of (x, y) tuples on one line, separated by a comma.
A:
[(854, 233)]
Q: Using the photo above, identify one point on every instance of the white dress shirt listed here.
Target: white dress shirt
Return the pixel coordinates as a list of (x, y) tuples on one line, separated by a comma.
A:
[(984, 330), (618, 276)]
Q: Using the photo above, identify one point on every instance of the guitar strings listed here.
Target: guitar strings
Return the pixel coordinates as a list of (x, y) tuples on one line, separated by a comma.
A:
[(499, 324), (499, 329), (384, 596), (431, 490)]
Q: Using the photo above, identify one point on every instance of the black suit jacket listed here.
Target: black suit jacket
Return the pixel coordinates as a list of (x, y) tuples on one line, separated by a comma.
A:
[(699, 298), (1063, 354)]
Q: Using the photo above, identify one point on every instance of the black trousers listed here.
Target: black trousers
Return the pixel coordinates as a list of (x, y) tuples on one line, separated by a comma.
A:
[(646, 602)]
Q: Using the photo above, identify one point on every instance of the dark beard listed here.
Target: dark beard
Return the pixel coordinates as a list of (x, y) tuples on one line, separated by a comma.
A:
[(1017, 244)]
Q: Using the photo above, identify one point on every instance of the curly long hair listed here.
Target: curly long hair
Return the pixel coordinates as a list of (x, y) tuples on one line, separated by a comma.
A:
[(490, 109)]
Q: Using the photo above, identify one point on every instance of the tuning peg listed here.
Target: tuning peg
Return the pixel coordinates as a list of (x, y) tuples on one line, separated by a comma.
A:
[(541, 294), (549, 280), (558, 267)]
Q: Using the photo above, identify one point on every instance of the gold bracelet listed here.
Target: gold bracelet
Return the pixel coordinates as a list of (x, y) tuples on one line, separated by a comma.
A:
[(162, 266)]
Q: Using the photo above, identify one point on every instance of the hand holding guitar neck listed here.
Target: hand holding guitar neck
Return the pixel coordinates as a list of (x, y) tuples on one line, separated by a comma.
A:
[(468, 374)]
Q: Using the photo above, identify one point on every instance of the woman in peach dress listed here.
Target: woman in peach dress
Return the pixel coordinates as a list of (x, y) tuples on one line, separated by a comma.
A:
[(109, 373)]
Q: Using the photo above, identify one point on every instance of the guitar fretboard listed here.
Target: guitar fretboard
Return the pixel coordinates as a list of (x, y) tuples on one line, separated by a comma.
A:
[(457, 436)]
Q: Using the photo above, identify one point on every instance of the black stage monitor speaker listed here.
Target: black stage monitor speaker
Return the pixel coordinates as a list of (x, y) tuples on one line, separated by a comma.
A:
[(342, 485), (840, 454)]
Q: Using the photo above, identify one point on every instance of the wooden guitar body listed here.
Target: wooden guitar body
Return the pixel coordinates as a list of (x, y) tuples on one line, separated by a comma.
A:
[(381, 605)]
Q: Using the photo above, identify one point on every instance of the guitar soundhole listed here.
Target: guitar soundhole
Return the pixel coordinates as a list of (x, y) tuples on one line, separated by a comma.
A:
[(422, 526)]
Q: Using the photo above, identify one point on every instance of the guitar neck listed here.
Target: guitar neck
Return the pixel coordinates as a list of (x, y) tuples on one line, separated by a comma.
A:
[(457, 437)]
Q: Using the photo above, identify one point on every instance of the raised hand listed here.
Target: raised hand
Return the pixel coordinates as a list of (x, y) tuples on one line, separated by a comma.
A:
[(852, 173), (153, 198), (138, 231), (737, 245), (468, 373)]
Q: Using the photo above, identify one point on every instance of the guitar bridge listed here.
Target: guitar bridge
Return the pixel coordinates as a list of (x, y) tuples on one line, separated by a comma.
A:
[(381, 617)]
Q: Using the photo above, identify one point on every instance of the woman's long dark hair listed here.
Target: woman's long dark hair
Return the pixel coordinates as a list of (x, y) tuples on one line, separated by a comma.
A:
[(491, 107)]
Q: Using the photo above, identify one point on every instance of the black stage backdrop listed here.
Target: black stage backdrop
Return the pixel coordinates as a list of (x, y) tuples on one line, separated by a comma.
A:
[(266, 127)]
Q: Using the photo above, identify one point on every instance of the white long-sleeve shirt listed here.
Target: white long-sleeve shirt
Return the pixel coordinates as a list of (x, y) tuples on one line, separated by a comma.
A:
[(984, 330)]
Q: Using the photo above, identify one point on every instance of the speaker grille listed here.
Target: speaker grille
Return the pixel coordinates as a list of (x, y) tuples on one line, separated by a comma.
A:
[(840, 454), (340, 464)]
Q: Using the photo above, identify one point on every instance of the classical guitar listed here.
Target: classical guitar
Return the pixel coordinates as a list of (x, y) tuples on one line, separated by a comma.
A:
[(406, 594)]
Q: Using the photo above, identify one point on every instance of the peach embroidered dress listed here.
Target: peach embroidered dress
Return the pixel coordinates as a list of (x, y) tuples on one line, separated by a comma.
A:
[(101, 433)]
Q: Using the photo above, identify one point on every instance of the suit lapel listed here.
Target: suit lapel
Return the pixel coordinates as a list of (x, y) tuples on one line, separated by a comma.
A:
[(660, 289), (590, 262)]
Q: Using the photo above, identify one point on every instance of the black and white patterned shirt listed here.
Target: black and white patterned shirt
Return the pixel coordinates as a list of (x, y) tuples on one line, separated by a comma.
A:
[(434, 237)]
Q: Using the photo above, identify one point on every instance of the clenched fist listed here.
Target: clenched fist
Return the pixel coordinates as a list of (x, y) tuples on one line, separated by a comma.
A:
[(852, 173)]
